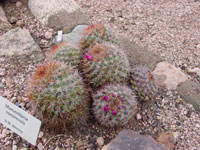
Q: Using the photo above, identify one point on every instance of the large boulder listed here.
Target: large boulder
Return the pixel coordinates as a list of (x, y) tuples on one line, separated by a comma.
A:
[(17, 44), (4, 24), (130, 140), (58, 14)]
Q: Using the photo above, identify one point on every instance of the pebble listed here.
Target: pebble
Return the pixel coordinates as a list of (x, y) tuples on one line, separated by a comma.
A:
[(167, 139), (57, 148), (13, 20), (2, 71), (138, 116), (40, 146), (19, 4), (2, 136), (40, 134), (48, 35), (100, 141), (20, 23), (14, 147), (79, 144), (5, 131)]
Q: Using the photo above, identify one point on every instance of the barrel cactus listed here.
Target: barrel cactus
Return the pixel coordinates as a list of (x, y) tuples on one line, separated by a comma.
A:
[(57, 92), (114, 105), (66, 53), (143, 83), (104, 63), (96, 33)]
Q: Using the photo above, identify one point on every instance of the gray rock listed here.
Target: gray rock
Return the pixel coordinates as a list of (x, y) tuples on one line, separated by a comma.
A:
[(173, 76), (18, 45), (190, 92), (130, 140), (73, 37), (13, 20), (4, 24), (60, 15), (138, 55)]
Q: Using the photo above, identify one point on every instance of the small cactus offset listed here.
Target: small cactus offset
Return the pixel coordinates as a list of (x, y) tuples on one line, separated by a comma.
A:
[(114, 105), (143, 83), (96, 33), (58, 93), (104, 63), (66, 53)]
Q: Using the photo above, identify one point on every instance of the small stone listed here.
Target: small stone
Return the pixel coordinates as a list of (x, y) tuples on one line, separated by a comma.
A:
[(167, 139), (79, 144), (40, 134), (19, 4), (20, 23), (9, 82), (44, 140), (48, 35), (13, 20), (19, 98), (100, 141), (5, 131), (40, 146), (14, 147), (57, 148), (2, 72), (138, 116), (2, 136)]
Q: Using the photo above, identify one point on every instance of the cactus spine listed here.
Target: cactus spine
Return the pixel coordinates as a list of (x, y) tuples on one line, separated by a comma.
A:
[(114, 105)]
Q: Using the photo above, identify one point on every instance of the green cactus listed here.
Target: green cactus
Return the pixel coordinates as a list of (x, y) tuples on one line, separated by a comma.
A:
[(114, 105), (104, 63), (66, 53), (58, 93), (143, 83), (96, 33)]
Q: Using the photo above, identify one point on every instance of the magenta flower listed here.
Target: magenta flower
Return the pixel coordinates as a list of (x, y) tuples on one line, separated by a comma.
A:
[(106, 108), (105, 98), (114, 112), (88, 57)]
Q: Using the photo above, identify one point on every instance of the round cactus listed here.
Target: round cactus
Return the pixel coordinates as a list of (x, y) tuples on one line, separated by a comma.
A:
[(143, 83), (66, 53), (96, 33), (104, 63), (57, 91), (114, 105)]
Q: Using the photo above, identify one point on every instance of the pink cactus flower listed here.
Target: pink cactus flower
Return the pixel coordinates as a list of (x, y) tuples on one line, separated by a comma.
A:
[(105, 98), (88, 57), (106, 108), (114, 112)]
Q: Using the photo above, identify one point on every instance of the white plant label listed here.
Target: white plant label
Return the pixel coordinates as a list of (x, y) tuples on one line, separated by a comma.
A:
[(59, 36), (19, 121)]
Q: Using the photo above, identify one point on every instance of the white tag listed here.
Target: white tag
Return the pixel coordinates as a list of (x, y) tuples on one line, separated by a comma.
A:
[(19, 121), (59, 36)]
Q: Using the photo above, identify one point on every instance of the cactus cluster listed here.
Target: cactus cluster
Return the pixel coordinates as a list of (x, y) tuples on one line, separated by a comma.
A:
[(66, 53), (60, 96), (58, 93), (143, 83), (96, 33), (114, 105), (104, 63)]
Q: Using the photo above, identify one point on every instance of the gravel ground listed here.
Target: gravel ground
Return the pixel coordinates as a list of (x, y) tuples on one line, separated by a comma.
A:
[(170, 28)]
